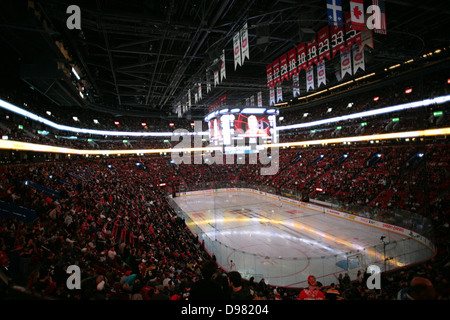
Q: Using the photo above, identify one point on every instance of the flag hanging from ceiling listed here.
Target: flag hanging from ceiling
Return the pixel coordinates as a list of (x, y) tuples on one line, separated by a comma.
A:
[(301, 57), (292, 60), (237, 50), (352, 35), (366, 39), (295, 86), (357, 14), (223, 73), (284, 74), (195, 97), (321, 76), (323, 44), (272, 96), (259, 99), (252, 101), (337, 40), (279, 93), (208, 83), (189, 98), (346, 64), (276, 72), (380, 26), (311, 55), (310, 79), (269, 72), (334, 13), (216, 78), (358, 59), (200, 91), (244, 43)]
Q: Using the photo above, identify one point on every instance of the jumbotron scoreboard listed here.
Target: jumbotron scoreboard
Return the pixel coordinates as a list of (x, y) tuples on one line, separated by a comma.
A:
[(242, 130)]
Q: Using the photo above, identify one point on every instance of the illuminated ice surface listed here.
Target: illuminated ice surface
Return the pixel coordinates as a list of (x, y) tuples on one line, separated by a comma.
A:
[(285, 243)]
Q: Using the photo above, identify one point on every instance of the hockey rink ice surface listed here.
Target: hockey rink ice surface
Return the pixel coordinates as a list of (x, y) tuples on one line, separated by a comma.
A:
[(283, 242)]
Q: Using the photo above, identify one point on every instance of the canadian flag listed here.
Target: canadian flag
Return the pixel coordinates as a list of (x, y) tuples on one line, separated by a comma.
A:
[(357, 14)]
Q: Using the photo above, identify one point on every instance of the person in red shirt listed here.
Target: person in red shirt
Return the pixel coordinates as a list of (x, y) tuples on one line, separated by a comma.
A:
[(312, 292)]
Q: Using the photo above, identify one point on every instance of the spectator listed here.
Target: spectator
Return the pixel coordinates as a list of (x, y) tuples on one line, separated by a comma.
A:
[(312, 292), (419, 289), (207, 288), (239, 290)]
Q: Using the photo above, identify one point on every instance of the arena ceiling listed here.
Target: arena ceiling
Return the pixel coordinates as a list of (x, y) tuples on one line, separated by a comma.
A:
[(140, 57)]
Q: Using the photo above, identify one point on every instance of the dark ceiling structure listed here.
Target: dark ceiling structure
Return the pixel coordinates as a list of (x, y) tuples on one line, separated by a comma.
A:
[(141, 57)]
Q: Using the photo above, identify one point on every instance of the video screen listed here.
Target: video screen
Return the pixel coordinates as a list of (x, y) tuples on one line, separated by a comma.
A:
[(252, 126)]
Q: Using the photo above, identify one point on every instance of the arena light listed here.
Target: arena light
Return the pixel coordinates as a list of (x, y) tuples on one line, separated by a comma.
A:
[(400, 107)]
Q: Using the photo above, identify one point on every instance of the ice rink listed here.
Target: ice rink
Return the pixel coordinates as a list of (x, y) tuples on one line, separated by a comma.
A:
[(283, 243)]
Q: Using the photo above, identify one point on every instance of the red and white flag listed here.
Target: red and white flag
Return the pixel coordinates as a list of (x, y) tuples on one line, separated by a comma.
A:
[(301, 57), (321, 75), (311, 54), (346, 64), (276, 72), (323, 44), (244, 43), (310, 79), (337, 40), (237, 50), (284, 73), (279, 93), (269, 72), (259, 99), (292, 60), (358, 60), (272, 96), (357, 14), (223, 73)]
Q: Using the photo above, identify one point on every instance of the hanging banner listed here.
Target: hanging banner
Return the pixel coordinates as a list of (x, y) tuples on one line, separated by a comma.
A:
[(208, 82), (272, 96), (321, 76), (352, 36), (200, 91), (366, 39), (358, 60), (310, 79), (311, 55), (237, 50), (357, 14), (244, 43), (284, 73), (337, 40), (195, 97), (295, 86), (323, 44), (276, 72), (301, 57), (259, 99), (216, 78), (269, 72), (223, 74), (279, 93), (247, 102), (292, 59), (346, 64), (189, 98)]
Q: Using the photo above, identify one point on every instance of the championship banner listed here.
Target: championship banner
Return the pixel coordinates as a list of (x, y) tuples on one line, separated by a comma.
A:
[(195, 97), (244, 43), (346, 64), (222, 69), (247, 102), (366, 39), (208, 83), (279, 93), (237, 50), (292, 58), (284, 74), (272, 96), (216, 78), (351, 34), (189, 98), (259, 99), (301, 57), (252, 101), (295, 86), (200, 91), (357, 14), (337, 40), (276, 72), (323, 44), (311, 55), (269, 72), (321, 75), (310, 79), (358, 60)]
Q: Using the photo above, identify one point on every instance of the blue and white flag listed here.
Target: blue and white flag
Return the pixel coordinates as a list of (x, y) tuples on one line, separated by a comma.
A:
[(334, 13)]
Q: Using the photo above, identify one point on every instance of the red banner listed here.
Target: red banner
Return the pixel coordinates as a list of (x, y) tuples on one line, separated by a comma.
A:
[(337, 40), (292, 60), (311, 54), (301, 57), (276, 72), (269, 76), (284, 74), (352, 35), (323, 44)]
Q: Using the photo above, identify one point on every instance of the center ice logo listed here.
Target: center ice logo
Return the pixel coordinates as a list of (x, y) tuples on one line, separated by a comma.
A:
[(214, 154)]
